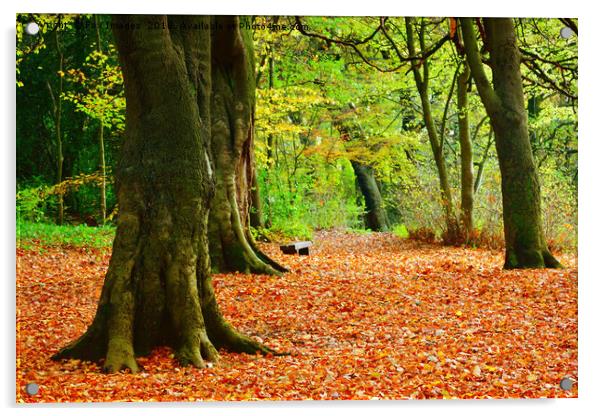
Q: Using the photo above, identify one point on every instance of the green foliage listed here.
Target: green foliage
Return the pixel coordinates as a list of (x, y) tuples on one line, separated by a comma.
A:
[(307, 90), (285, 231), (400, 231), (559, 209), (33, 204), (46, 234), (312, 198), (37, 202), (359, 231), (98, 89)]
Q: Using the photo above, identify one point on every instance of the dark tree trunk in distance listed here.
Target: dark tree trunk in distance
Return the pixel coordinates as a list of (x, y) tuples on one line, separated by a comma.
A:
[(376, 217), (505, 104), (158, 288)]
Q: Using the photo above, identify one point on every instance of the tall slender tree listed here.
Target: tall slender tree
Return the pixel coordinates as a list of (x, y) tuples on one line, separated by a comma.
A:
[(466, 171), (422, 78)]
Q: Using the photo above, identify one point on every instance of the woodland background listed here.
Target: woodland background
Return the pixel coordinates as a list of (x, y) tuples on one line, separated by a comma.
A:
[(70, 124)]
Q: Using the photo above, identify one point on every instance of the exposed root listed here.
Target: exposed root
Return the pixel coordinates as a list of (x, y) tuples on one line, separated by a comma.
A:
[(550, 261), (208, 351), (120, 356), (264, 257), (190, 356)]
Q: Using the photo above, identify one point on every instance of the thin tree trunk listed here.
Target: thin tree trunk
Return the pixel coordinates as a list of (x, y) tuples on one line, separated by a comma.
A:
[(57, 110), (255, 215), (465, 153), (103, 172), (436, 142), (479, 178), (158, 288), (233, 103), (505, 104), (270, 146), (101, 145)]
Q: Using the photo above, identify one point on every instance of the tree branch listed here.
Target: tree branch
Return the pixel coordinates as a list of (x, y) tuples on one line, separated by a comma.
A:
[(489, 97), (354, 45)]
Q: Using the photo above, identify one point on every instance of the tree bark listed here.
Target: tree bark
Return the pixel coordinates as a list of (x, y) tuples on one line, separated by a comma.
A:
[(270, 145), (465, 154), (505, 104), (101, 144), (376, 217), (436, 142), (103, 172), (158, 288), (479, 179), (233, 103), (256, 212), (57, 108)]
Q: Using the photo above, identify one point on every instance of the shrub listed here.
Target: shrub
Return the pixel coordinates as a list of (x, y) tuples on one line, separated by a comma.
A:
[(63, 235), (33, 204)]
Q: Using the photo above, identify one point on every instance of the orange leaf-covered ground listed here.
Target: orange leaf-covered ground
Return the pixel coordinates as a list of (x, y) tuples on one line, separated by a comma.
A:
[(364, 316)]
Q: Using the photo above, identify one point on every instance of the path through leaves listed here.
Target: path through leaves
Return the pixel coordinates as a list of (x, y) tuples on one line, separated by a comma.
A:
[(364, 316)]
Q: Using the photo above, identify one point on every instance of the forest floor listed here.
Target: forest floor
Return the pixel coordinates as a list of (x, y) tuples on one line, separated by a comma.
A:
[(365, 316)]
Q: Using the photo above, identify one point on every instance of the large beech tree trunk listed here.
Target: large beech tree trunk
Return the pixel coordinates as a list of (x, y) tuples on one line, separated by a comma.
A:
[(376, 216), (505, 104), (158, 288), (233, 102)]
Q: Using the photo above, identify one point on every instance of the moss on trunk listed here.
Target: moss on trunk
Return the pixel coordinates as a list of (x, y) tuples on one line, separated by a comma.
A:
[(376, 217), (233, 103), (467, 176), (505, 104), (157, 290)]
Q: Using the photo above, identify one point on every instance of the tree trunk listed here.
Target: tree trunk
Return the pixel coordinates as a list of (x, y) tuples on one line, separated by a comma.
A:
[(479, 179), (376, 217), (233, 102), (465, 153), (505, 104), (158, 288), (255, 215), (101, 144), (103, 172), (436, 142), (270, 146), (57, 115)]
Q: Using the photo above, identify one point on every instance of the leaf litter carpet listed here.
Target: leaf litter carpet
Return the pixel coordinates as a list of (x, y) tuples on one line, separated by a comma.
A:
[(365, 316)]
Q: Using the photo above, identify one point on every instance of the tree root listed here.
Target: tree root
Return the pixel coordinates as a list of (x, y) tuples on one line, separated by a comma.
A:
[(120, 356)]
